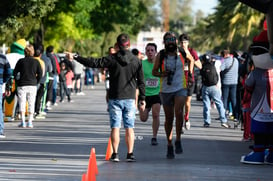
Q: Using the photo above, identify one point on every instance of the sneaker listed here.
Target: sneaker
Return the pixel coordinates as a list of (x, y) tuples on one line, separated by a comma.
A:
[(170, 153), (114, 157), (206, 125), (178, 147), (43, 113), (22, 125), (2, 135), (130, 157), (29, 125), (39, 116), (253, 158), (154, 141), (187, 125), (225, 125), (269, 158), (48, 108), (70, 101), (80, 94)]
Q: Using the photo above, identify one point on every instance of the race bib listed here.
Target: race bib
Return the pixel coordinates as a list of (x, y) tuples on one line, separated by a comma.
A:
[(151, 82)]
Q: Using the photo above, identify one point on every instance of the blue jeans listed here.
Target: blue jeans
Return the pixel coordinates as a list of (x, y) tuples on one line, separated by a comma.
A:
[(229, 93), (208, 94), (55, 87), (89, 76), (1, 112), (122, 110)]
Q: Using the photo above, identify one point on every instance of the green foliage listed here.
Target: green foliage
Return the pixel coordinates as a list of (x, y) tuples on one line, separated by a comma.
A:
[(181, 15), (231, 26), (19, 18), (77, 22)]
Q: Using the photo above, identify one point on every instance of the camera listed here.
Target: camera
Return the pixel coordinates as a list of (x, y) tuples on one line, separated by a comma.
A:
[(170, 77)]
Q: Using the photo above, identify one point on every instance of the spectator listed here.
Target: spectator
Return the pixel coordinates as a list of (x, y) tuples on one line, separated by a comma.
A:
[(229, 71), (27, 73), (63, 86), (210, 91), (77, 83), (5, 76), (53, 78), (41, 86), (184, 43), (15, 53)]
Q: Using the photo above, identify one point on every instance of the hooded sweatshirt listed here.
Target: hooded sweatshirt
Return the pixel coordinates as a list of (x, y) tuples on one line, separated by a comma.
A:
[(125, 72)]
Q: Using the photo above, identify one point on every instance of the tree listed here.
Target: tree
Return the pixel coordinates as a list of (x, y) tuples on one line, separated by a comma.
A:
[(231, 26), (15, 15), (80, 21)]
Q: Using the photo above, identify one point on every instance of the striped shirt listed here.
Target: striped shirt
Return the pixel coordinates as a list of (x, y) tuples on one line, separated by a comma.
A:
[(5, 70)]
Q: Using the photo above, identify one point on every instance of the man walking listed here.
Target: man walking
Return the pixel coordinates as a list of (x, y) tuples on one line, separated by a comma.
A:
[(169, 66), (125, 76), (210, 91)]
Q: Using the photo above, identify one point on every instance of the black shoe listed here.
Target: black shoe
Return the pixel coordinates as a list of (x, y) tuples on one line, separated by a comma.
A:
[(206, 125), (178, 147), (130, 157), (154, 141), (170, 153), (114, 157)]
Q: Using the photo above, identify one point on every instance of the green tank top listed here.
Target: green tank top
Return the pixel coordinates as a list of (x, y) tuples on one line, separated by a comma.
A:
[(152, 84)]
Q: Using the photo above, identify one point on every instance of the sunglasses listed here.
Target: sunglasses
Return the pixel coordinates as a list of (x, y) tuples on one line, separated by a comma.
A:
[(171, 39)]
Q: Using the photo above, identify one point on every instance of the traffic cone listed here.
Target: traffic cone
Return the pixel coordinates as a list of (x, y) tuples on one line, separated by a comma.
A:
[(92, 170), (109, 150), (94, 161), (84, 177)]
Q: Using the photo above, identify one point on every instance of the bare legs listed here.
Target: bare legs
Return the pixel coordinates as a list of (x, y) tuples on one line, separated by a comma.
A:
[(170, 112), (144, 115), (129, 139)]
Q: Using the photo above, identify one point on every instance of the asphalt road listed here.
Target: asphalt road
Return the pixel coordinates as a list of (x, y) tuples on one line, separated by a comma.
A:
[(58, 148)]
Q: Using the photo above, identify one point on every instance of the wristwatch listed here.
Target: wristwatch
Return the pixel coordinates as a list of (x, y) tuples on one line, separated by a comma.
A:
[(75, 55)]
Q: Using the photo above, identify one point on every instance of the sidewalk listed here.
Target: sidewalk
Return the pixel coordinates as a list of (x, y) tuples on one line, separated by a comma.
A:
[(58, 148)]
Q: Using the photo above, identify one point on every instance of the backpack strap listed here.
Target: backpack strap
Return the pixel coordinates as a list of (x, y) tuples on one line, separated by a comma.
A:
[(161, 59)]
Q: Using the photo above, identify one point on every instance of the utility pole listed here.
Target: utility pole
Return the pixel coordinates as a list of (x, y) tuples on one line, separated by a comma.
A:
[(166, 14)]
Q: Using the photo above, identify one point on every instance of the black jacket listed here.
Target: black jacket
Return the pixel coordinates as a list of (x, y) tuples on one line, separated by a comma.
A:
[(125, 71), (27, 72)]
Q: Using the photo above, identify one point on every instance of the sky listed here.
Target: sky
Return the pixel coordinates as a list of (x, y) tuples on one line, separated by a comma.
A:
[(204, 5)]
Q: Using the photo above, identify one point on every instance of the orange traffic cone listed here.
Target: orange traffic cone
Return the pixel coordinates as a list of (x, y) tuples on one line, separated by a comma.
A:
[(92, 170), (94, 161), (109, 150), (84, 177)]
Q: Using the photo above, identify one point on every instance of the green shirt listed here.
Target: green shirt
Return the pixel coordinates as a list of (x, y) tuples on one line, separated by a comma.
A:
[(152, 84)]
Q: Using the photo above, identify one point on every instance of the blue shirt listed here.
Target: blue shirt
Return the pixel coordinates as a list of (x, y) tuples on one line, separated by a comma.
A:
[(231, 77)]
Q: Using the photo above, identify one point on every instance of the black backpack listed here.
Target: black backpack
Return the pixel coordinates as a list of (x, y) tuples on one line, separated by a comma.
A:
[(209, 74)]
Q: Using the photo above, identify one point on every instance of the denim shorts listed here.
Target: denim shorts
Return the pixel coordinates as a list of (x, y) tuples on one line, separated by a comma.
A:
[(168, 98), (125, 110)]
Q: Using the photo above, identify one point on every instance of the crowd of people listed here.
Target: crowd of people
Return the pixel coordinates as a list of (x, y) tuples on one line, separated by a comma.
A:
[(35, 79)]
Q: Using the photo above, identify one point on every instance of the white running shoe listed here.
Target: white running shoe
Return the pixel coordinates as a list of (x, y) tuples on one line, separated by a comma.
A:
[(187, 125)]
